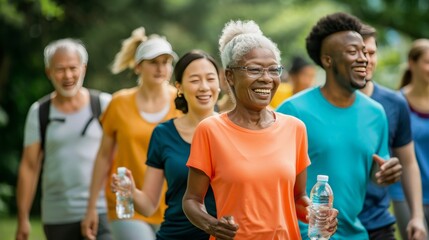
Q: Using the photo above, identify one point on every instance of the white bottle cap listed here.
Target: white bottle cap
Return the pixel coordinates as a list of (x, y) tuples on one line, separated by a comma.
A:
[(121, 171), (323, 178)]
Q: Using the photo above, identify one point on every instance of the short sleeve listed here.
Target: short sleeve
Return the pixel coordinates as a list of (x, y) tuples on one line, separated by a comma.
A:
[(31, 129), (403, 134), (154, 154), (200, 156)]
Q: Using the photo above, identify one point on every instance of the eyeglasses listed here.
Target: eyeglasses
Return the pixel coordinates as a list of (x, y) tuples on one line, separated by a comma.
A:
[(257, 71)]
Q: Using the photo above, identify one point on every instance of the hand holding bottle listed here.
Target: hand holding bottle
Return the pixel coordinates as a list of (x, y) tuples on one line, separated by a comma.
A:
[(331, 222), (115, 182), (322, 217), (123, 185)]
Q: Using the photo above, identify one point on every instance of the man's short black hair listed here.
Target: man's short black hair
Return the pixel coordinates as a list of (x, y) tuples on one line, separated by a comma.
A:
[(330, 24)]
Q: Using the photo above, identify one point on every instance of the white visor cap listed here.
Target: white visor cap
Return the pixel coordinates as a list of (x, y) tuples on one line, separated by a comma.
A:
[(153, 48)]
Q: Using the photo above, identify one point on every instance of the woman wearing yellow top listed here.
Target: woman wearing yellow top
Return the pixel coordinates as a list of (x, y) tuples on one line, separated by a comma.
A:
[(128, 123)]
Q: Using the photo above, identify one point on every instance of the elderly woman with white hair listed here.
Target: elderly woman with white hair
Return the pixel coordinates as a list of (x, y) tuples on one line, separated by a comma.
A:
[(254, 158)]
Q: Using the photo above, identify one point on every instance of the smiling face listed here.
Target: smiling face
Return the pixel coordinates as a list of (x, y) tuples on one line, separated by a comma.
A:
[(66, 72), (254, 93), (371, 48), (200, 86), (344, 57)]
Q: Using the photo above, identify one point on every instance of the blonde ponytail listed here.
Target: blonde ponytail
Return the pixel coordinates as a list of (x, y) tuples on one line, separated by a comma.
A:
[(125, 58)]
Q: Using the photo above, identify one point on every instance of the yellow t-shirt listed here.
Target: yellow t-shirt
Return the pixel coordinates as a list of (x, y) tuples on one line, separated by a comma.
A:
[(123, 121), (283, 92), (253, 172)]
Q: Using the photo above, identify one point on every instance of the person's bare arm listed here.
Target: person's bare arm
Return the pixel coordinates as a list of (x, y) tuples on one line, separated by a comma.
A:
[(195, 210), (301, 199), (100, 173), (146, 200), (28, 176), (412, 187)]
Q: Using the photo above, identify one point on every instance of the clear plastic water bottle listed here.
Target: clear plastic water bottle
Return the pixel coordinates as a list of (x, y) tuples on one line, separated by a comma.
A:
[(124, 196), (322, 198)]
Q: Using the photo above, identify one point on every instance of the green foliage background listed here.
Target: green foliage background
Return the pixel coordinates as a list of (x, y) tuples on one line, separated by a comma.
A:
[(26, 26)]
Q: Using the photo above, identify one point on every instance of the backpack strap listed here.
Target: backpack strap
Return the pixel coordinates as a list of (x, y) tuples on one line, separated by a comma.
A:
[(95, 103), (94, 99), (44, 120), (44, 109)]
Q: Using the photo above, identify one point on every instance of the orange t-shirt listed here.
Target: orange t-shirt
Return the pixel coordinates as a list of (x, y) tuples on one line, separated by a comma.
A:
[(253, 172), (122, 121)]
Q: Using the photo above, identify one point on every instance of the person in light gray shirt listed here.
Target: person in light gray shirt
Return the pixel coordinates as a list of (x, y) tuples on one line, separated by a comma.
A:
[(65, 148)]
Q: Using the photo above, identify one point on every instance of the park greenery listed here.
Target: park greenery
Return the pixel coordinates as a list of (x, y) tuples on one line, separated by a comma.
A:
[(28, 25)]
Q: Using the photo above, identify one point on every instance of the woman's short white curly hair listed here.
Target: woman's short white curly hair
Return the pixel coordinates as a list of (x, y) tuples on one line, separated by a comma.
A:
[(239, 38)]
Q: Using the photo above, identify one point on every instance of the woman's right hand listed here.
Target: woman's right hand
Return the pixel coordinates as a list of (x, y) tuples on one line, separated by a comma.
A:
[(115, 184), (224, 229)]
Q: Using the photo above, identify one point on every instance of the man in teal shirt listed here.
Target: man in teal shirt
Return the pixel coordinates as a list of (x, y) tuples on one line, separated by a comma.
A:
[(347, 131)]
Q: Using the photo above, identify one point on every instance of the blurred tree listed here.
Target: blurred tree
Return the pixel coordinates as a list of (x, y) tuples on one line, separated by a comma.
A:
[(406, 16), (20, 61)]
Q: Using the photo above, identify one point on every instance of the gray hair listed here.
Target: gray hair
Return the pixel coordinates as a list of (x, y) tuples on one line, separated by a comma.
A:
[(239, 38), (65, 44)]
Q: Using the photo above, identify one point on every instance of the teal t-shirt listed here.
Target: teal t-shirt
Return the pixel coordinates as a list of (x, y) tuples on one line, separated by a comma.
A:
[(341, 142), (169, 152)]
